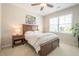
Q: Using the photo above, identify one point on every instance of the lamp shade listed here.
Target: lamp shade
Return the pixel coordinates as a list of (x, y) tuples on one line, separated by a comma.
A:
[(17, 29)]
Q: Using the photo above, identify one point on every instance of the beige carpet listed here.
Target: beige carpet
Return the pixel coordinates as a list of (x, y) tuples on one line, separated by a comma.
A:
[(26, 50)]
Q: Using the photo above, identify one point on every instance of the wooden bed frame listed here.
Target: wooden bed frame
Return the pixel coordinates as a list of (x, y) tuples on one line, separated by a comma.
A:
[(45, 48)]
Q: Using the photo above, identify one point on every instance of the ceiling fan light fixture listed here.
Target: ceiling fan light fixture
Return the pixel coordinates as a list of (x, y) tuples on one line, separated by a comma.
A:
[(43, 4)]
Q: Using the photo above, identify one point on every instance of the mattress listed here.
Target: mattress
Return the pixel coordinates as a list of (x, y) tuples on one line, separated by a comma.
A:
[(36, 38)]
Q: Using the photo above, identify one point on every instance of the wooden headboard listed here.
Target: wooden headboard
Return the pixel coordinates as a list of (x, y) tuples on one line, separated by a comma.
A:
[(29, 28)]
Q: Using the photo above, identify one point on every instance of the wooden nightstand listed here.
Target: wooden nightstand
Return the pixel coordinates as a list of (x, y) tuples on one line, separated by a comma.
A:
[(17, 39)]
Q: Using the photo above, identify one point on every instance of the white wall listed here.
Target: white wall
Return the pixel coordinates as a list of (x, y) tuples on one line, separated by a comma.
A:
[(14, 15), (0, 26), (65, 38)]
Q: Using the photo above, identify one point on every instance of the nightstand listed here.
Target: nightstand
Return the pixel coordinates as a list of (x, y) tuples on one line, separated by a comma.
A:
[(17, 40)]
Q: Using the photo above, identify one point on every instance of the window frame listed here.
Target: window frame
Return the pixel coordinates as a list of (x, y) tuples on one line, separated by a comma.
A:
[(58, 30)]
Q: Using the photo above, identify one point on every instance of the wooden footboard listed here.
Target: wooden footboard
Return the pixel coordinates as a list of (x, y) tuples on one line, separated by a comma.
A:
[(48, 47)]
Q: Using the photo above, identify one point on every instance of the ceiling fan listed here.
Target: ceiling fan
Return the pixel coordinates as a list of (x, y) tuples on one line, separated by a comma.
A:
[(42, 5)]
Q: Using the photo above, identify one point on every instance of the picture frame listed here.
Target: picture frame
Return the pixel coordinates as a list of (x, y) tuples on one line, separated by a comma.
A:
[(31, 20)]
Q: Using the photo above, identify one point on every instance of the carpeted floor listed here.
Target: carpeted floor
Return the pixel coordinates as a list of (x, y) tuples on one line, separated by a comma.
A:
[(26, 50)]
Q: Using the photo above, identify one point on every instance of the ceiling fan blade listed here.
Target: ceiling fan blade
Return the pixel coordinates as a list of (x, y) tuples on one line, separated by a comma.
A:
[(49, 5), (35, 4), (41, 8)]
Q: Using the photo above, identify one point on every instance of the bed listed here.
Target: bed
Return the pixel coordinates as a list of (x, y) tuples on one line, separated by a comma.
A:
[(43, 43)]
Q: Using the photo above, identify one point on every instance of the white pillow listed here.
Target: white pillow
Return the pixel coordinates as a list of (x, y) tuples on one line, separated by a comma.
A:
[(37, 32), (29, 32)]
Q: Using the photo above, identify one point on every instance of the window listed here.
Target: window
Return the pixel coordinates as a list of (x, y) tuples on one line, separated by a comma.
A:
[(61, 24), (53, 24)]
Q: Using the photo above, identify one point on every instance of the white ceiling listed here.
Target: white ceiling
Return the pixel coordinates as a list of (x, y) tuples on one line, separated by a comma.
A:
[(47, 10)]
